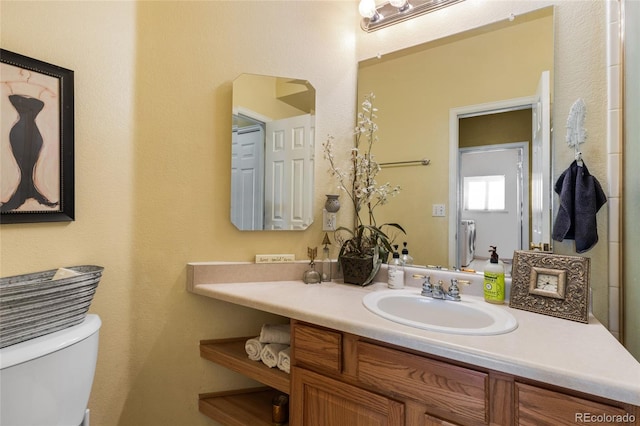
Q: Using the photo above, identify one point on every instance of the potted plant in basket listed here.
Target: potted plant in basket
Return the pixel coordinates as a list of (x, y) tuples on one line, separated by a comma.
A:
[(365, 246)]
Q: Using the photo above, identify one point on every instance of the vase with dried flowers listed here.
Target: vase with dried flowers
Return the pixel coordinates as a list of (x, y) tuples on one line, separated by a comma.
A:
[(364, 247)]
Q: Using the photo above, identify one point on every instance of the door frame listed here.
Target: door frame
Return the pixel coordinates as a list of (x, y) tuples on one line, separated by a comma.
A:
[(455, 114)]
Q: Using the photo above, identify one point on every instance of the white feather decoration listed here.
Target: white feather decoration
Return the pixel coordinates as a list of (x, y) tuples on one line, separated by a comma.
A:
[(576, 133)]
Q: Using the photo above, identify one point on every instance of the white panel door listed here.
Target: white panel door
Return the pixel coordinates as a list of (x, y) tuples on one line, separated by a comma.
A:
[(288, 170), (247, 190), (541, 175)]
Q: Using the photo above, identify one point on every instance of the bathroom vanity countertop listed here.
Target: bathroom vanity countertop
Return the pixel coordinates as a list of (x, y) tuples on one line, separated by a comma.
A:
[(582, 357)]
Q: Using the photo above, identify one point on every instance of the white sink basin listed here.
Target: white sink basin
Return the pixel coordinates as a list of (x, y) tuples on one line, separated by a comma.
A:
[(469, 316)]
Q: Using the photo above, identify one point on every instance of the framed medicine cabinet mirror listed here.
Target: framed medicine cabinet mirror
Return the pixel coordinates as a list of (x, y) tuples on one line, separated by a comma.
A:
[(272, 153), (477, 105)]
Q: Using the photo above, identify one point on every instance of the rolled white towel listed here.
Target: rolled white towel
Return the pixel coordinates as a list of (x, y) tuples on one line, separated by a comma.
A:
[(284, 360), (269, 354), (254, 347), (276, 333)]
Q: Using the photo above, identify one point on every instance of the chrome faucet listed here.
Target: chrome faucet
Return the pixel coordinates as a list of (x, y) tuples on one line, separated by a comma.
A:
[(427, 288), (437, 291), (454, 292)]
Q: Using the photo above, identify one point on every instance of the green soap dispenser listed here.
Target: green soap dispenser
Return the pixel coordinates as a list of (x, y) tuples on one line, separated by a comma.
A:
[(494, 278)]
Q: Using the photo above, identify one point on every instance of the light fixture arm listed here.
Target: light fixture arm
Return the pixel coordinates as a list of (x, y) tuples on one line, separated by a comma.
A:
[(395, 11)]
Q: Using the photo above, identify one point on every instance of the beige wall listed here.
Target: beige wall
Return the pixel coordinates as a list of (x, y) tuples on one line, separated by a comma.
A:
[(153, 97)]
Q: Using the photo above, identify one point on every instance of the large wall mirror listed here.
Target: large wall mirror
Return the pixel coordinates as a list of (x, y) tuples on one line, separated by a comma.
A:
[(477, 105), (272, 154)]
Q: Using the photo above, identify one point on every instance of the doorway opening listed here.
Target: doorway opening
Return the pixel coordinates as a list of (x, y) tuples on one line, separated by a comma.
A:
[(538, 110), (494, 201)]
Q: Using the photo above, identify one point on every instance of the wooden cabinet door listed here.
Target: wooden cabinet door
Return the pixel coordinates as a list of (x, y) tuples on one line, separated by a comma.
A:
[(450, 392), (320, 401), (538, 407), (434, 421)]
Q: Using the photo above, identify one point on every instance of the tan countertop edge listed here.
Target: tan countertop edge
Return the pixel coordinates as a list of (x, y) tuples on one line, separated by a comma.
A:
[(582, 357)]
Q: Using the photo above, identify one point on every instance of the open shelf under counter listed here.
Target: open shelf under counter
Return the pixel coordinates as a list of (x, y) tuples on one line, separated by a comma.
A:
[(230, 353), (239, 408)]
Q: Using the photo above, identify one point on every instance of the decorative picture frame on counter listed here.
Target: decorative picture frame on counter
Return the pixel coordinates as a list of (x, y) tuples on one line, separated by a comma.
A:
[(551, 284), (37, 105)]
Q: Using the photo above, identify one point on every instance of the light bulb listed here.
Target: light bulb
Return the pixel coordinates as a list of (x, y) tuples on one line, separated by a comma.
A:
[(400, 4), (367, 8)]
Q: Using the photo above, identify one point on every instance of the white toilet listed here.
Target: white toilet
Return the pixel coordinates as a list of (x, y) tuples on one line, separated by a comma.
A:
[(46, 381)]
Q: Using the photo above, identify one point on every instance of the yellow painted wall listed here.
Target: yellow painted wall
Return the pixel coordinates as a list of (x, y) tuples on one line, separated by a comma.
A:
[(507, 127), (153, 108), (153, 130), (259, 94), (97, 41)]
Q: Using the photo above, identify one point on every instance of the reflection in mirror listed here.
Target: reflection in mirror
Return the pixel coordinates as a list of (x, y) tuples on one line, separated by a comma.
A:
[(422, 93), (493, 170), (272, 153), (490, 147)]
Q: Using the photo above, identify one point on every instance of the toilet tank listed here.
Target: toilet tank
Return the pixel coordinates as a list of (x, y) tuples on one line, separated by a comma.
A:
[(47, 381)]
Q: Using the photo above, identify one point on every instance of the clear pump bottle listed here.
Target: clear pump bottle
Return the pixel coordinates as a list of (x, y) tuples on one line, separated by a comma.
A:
[(406, 258), (396, 271)]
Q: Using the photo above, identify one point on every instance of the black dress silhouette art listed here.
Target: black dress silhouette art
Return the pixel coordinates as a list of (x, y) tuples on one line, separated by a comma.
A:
[(26, 144)]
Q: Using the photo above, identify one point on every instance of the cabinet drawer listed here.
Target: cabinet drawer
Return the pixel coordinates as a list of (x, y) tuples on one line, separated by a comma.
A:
[(317, 348), (537, 406), (318, 400), (450, 392)]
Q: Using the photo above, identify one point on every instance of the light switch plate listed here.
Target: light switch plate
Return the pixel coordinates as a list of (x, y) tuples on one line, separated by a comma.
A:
[(439, 210), (328, 220)]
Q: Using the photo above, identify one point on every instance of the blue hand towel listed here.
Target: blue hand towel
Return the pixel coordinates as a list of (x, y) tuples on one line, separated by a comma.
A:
[(581, 196)]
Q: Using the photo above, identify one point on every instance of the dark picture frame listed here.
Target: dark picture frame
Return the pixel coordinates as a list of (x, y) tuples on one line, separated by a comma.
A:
[(551, 284), (37, 141)]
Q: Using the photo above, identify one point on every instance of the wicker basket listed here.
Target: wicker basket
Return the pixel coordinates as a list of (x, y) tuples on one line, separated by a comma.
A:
[(33, 305)]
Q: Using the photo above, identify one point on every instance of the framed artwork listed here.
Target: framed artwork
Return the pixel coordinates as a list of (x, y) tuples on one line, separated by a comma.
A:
[(36, 141), (551, 284)]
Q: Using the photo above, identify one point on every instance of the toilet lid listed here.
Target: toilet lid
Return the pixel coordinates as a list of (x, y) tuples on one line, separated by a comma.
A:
[(43, 345)]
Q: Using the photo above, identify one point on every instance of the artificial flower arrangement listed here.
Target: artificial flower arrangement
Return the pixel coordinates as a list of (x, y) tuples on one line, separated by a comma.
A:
[(366, 242)]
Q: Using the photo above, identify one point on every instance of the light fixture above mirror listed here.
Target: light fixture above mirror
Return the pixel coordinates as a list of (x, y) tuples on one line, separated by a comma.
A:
[(394, 11)]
